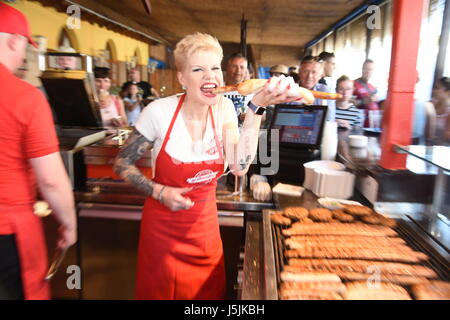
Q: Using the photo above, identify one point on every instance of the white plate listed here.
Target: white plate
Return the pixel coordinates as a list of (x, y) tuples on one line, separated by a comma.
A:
[(335, 204)]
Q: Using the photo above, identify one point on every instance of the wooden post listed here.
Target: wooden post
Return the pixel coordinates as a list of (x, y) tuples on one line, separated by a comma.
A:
[(443, 43), (399, 110), (244, 36)]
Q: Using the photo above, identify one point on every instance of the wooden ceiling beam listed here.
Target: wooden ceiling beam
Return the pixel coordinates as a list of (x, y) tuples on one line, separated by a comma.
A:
[(116, 19)]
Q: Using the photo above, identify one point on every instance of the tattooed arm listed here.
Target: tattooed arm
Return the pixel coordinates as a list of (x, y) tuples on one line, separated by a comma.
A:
[(124, 165), (241, 149)]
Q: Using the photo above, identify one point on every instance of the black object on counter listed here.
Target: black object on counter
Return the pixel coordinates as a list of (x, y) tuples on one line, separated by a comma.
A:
[(300, 130), (72, 97)]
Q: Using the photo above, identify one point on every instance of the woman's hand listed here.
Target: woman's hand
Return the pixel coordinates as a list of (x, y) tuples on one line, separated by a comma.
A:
[(103, 103), (279, 94), (118, 121), (173, 198)]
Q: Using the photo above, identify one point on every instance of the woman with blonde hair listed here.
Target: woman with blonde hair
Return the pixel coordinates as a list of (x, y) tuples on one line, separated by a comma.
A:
[(192, 135)]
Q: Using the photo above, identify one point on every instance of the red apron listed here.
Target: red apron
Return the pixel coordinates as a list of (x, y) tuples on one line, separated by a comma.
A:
[(32, 250), (180, 253)]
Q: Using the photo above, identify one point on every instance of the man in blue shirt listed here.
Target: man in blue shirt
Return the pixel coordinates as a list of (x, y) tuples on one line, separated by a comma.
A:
[(311, 71)]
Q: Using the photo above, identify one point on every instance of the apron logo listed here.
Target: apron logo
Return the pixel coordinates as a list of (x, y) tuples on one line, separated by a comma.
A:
[(203, 176), (213, 146)]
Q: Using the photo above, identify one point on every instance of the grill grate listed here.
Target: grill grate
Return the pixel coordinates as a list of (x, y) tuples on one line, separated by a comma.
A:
[(413, 239)]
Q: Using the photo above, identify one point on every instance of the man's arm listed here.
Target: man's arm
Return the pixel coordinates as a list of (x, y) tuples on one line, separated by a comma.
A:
[(55, 187)]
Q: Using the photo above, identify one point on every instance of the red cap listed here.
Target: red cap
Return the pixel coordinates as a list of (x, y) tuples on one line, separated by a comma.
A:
[(13, 21)]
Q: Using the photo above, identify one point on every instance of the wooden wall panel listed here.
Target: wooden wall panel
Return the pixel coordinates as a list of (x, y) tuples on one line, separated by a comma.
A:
[(165, 78)]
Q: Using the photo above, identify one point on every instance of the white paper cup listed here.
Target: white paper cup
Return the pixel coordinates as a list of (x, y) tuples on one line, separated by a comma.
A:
[(310, 175), (357, 141)]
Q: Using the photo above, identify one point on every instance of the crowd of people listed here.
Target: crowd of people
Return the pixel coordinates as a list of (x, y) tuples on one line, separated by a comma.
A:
[(122, 110), (359, 104)]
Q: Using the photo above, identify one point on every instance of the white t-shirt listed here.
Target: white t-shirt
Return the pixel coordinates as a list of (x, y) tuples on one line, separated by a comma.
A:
[(155, 119)]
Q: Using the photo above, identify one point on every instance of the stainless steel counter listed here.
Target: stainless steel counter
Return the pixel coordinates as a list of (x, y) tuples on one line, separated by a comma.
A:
[(259, 276)]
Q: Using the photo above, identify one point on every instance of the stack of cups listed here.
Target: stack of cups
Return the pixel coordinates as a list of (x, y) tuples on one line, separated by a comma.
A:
[(328, 149), (328, 179)]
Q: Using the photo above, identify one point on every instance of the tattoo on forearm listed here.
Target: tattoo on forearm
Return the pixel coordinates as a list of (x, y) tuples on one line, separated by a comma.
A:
[(125, 167)]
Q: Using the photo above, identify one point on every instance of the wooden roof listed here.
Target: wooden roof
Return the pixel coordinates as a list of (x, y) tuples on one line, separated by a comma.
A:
[(274, 25), (276, 22)]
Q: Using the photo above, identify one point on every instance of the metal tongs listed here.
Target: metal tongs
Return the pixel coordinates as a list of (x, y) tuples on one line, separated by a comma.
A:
[(57, 260)]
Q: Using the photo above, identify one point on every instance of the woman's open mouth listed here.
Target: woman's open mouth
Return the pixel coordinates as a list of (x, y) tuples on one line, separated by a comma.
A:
[(208, 88)]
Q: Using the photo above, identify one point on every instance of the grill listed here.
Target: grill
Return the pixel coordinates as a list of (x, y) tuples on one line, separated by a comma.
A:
[(415, 239)]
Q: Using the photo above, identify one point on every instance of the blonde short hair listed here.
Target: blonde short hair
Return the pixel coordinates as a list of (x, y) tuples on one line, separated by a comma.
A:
[(193, 43)]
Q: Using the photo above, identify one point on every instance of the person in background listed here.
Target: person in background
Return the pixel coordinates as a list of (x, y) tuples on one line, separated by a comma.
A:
[(293, 72), (111, 107), (329, 65), (132, 102), (441, 102), (30, 157), (66, 62), (146, 87), (366, 93), (424, 120), (278, 70), (311, 70), (237, 69), (347, 115), (236, 72)]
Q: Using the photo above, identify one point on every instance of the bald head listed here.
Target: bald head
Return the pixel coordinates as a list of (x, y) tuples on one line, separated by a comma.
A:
[(12, 50), (135, 75)]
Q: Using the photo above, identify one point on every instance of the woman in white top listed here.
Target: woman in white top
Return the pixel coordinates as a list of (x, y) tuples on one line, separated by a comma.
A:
[(193, 135)]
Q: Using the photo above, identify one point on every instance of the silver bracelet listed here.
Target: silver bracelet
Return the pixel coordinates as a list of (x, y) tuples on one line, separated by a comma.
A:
[(160, 196)]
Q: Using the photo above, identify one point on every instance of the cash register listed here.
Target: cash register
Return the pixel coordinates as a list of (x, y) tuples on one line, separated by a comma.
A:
[(294, 136)]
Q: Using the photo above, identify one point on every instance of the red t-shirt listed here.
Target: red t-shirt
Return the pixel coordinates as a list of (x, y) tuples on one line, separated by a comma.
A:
[(27, 132), (363, 90)]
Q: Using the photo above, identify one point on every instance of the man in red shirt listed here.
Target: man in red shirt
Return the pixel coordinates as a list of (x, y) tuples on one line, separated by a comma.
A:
[(365, 93), (29, 156)]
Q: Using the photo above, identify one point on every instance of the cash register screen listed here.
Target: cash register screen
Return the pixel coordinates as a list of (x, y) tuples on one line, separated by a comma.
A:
[(299, 126)]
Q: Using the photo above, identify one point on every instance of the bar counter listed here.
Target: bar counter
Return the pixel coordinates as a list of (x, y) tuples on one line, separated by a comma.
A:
[(109, 211)]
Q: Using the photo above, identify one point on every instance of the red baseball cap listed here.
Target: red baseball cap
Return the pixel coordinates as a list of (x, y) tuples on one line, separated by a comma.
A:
[(13, 21)]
